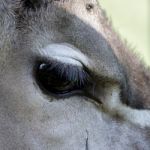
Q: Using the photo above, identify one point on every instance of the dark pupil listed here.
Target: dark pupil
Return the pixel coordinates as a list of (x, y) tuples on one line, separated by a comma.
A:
[(52, 81)]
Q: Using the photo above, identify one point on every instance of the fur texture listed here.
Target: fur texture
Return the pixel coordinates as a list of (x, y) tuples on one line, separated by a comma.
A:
[(105, 116)]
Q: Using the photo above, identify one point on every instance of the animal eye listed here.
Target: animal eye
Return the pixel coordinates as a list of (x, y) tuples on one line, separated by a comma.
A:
[(60, 79), (89, 7)]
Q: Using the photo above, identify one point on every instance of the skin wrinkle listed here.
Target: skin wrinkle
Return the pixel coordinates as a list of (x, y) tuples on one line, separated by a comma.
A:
[(32, 120), (87, 141)]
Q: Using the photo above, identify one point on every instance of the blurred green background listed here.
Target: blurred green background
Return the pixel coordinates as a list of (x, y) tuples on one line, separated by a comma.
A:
[(131, 18)]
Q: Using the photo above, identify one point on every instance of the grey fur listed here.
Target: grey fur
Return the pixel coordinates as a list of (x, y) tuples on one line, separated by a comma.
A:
[(32, 120)]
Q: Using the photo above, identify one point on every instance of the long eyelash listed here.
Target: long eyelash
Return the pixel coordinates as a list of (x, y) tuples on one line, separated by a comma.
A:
[(68, 72)]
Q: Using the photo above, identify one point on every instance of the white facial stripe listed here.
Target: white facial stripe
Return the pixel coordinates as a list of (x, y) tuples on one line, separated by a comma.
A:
[(65, 53), (114, 106)]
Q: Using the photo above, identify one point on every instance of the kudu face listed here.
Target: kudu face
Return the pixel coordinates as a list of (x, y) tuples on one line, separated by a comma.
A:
[(56, 70)]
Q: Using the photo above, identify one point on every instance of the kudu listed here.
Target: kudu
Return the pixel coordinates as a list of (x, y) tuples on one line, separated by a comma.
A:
[(67, 82)]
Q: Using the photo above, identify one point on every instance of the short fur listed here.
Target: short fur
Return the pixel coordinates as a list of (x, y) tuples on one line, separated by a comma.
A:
[(31, 119)]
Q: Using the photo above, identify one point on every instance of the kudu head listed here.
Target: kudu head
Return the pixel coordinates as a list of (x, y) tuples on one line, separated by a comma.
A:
[(62, 86)]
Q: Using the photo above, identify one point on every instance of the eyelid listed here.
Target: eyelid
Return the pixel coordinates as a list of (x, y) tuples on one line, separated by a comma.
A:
[(66, 71), (68, 55), (63, 52), (68, 60)]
